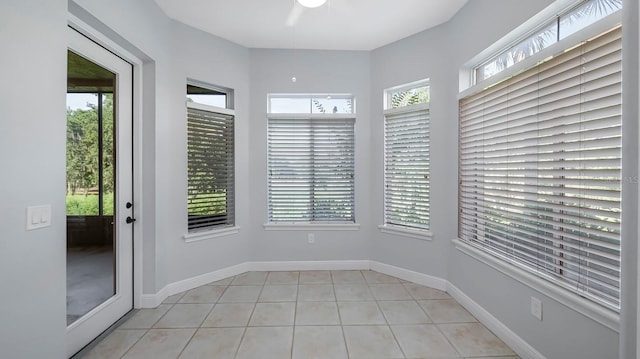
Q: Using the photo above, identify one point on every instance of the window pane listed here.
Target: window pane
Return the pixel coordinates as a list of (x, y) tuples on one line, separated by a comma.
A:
[(586, 15), (290, 105), (332, 105), (523, 50), (206, 96), (311, 170), (408, 97), (210, 169)]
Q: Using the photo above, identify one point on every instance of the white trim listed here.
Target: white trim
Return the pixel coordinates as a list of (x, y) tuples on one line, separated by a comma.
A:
[(406, 232), (209, 108), (588, 308), (138, 235), (517, 344), (309, 265), (409, 275), (311, 226), (210, 233), (407, 109), (312, 116)]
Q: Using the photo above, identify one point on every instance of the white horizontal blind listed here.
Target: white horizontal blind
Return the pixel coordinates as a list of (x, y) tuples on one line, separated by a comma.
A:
[(210, 169), (406, 172), (540, 169), (311, 170)]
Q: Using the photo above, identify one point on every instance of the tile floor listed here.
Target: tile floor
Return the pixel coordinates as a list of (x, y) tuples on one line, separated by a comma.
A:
[(311, 314)]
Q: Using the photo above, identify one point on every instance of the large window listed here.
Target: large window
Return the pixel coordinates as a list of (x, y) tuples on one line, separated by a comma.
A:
[(406, 156), (567, 23), (210, 144), (311, 159), (540, 172)]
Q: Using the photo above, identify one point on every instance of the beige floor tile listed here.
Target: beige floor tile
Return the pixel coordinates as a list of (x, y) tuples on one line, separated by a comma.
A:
[(115, 345), (184, 316), (420, 292), (279, 293), (160, 344), (282, 278), (368, 342), (347, 277), (358, 313), (229, 315), (319, 342), (317, 313), (241, 294), (250, 278), (172, 299), (423, 341), (474, 340), (315, 277), (145, 318), (204, 294), (403, 312), (266, 343), (446, 311), (223, 282), (353, 292), (389, 292), (218, 343), (378, 278), (273, 314), (315, 292)]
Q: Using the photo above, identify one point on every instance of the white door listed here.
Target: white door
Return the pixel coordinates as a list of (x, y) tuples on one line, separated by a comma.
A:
[(99, 190)]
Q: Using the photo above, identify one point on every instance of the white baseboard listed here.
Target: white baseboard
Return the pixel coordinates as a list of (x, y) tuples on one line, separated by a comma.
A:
[(309, 265), (521, 347), (154, 300), (408, 275)]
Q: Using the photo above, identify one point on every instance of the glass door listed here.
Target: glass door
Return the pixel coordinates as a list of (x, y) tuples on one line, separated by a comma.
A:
[(98, 191)]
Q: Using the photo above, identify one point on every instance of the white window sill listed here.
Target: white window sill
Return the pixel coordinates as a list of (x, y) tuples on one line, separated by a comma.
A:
[(586, 307), (311, 227), (407, 232), (210, 233)]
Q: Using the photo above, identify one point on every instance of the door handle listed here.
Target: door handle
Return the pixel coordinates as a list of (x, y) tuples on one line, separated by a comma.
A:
[(130, 220), (129, 205)]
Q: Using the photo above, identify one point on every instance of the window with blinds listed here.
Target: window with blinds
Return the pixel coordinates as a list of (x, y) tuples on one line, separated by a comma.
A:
[(311, 169), (540, 169), (406, 158), (210, 145)]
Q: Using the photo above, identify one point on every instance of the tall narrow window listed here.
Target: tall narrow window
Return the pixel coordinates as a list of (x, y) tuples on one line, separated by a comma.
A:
[(540, 169), (406, 156), (311, 159), (211, 180)]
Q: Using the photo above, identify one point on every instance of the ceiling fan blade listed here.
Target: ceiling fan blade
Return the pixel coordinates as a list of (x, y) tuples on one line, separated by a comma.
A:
[(294, 14)]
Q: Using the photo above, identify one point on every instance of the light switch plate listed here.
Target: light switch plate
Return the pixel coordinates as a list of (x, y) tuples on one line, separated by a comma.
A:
[(536, 308), (38, 217)]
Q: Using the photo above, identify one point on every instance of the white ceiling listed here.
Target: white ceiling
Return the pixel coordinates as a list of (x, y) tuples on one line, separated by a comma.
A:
[(337, 25)]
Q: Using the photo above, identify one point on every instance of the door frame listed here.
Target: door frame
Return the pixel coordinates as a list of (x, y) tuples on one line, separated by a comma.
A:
[(90, 32)]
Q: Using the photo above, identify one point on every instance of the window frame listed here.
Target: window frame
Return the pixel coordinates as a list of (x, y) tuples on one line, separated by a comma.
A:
[(230, 225), (330, 225), (390, 226), (593, 309)]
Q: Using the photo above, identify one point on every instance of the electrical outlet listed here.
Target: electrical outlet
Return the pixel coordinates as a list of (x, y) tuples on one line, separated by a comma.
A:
[(536, 308), (311, 238)]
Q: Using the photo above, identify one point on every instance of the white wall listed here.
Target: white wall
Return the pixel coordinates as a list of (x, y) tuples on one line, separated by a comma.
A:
[(315, 72), (32, 158)]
